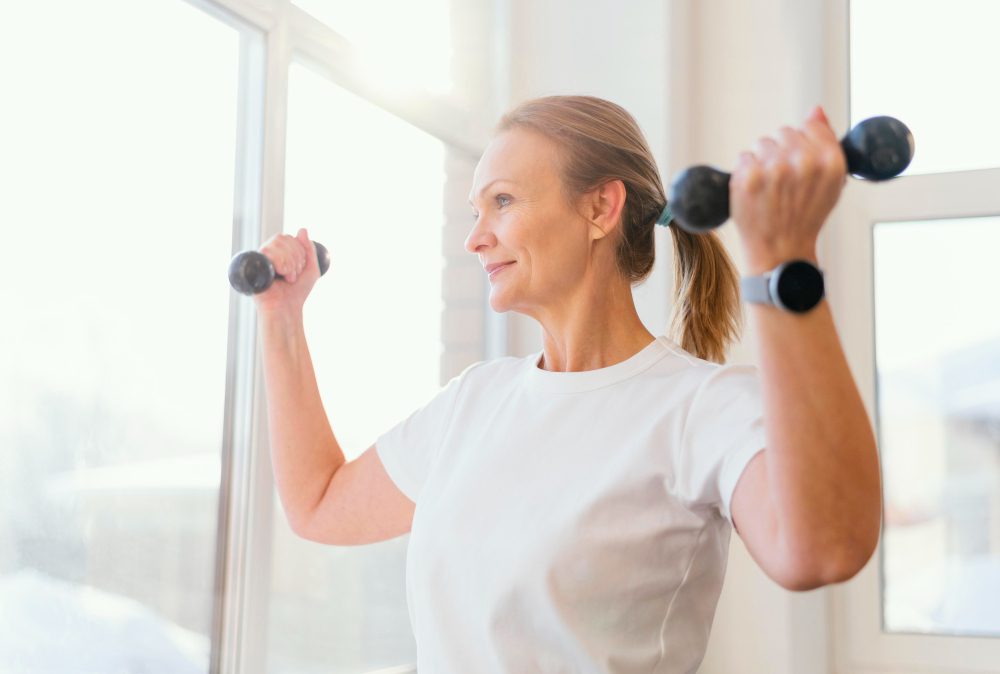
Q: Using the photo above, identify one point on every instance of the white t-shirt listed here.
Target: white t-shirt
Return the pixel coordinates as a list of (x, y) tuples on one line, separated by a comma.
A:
[(573, 522)]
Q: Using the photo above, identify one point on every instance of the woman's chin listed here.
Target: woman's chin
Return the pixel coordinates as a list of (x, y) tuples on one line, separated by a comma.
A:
[(498, 301)]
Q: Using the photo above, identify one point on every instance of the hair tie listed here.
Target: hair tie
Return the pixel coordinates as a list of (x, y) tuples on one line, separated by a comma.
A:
[(665, 217)]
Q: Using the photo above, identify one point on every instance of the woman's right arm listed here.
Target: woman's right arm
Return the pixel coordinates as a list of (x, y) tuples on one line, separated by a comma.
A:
[(305, 454), (326, 498)]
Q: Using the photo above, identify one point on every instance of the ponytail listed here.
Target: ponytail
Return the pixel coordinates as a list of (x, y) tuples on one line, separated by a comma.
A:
[(707, 315)]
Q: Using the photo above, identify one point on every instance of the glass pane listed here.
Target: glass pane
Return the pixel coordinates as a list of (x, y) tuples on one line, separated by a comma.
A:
[(118, 137), (938, 366), (413, 48), (370, 188), (938, 82)]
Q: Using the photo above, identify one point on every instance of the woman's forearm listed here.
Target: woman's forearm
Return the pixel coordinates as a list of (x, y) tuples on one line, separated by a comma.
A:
[(823, 465), (304, 452)]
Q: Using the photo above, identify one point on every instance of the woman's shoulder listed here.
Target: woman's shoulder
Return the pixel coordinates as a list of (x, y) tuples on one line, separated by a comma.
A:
[(493, 368), (684, 365)]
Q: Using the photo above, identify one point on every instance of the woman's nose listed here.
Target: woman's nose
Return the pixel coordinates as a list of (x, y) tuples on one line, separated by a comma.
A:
[(479, 236)]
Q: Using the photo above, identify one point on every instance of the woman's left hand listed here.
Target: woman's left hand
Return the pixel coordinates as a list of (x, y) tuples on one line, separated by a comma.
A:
[(781, 195)]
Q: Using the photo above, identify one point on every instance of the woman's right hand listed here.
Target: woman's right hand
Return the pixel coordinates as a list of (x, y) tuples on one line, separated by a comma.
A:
[(294, 257)]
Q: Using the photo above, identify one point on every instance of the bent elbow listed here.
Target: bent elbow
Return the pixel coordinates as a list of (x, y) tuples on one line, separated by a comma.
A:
[(297, 525), (837, 567)]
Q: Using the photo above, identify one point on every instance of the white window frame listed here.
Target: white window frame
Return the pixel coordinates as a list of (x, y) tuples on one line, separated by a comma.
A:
[(859, 644), (274, 34)]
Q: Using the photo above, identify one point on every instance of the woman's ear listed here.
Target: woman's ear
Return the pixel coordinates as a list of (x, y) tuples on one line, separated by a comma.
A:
[(604, 206)]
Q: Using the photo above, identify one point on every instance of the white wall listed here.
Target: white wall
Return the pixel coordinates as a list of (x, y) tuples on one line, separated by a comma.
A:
[(704, 79), (568, 47)]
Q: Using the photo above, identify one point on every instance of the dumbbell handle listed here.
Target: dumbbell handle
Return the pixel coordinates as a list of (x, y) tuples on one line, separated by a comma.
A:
[(251, 272), (877, 148)]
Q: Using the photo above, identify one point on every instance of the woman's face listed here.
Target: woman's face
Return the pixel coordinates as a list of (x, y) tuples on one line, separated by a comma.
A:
[(523, 217)]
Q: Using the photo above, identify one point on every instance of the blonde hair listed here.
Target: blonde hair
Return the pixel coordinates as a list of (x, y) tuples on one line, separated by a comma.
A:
[(600, 141)]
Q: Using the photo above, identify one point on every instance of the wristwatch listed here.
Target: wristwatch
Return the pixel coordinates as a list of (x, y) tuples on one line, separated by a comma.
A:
[(796, 285)]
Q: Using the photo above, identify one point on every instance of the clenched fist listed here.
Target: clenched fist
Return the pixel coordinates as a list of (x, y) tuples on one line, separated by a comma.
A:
[(781, 194)]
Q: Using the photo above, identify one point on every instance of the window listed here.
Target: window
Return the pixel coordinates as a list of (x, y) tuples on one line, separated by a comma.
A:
[(918, 325), (117, 168), (371, 188), (938, 357), (141, 149), (930, 64), (406, 43)]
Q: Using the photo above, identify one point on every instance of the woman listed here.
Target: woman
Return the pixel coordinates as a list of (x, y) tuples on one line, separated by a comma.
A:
[(571, 511)]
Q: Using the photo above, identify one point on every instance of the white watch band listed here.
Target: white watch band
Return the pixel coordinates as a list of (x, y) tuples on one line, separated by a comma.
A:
[(757, 289)]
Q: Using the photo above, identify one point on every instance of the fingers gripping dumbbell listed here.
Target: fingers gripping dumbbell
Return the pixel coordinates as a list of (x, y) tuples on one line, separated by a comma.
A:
[(878, 148), (251, 272)]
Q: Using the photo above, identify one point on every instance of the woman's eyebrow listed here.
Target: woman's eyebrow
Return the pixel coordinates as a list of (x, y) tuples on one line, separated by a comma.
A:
[(487, 185)]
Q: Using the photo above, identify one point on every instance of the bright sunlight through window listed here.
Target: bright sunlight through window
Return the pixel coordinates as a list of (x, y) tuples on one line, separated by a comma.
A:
[(404, 44)]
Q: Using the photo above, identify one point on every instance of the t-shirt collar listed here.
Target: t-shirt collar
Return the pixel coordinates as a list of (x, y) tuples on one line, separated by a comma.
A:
[(588, 380)]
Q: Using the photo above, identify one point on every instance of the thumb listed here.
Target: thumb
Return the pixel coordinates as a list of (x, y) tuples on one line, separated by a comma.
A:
[(818, 115), (303, 237)]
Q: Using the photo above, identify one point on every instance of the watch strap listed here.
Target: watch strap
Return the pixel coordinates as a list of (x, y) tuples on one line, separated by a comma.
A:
[(757, 288), (763, 288)]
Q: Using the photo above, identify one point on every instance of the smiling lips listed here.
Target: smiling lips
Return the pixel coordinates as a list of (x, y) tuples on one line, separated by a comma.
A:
[(493, 269)]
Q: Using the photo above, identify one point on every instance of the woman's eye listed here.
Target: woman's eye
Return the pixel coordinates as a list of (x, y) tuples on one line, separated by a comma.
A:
[(501, 199)]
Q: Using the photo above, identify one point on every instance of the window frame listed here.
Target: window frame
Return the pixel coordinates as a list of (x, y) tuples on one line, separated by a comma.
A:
[(859, 644), (273, 35)]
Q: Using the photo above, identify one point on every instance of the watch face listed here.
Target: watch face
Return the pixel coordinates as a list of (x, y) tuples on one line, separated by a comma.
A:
[(800, 286)]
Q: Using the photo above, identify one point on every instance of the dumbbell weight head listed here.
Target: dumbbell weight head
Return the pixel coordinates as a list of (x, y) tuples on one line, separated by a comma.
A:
[(877, 148), (700, 195), (250, 272)]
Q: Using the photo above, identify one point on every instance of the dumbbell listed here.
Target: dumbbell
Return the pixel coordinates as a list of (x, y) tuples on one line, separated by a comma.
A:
[(877, 148), (250, 272)]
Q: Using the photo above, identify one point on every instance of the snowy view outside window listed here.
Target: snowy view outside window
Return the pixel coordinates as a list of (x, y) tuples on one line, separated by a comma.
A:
[(117, 171), (118, 168)]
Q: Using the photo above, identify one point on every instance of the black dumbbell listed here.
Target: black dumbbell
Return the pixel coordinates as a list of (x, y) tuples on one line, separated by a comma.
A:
[(877, 148), (250, 272)]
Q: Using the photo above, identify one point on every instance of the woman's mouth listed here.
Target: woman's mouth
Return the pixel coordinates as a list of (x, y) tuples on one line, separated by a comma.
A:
[(499, 269)]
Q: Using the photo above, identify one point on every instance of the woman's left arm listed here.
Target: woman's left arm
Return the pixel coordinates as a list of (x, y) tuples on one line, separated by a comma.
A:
[(815, 500)]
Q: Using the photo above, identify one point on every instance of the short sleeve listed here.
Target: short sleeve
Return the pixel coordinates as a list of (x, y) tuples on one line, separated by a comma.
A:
[(408, 449), (723, 430)]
